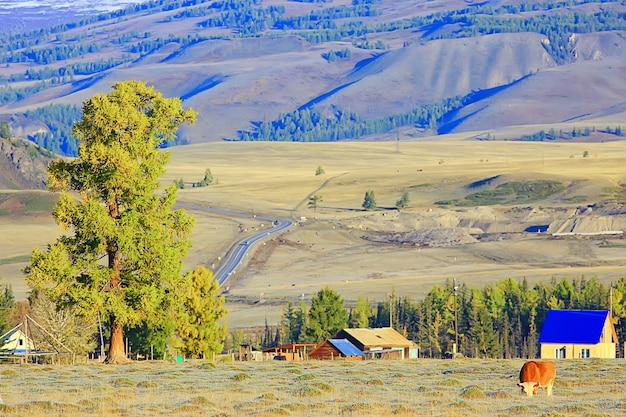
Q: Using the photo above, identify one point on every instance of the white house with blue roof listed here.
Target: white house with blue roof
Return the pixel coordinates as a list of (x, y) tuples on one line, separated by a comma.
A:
[(568, 334)]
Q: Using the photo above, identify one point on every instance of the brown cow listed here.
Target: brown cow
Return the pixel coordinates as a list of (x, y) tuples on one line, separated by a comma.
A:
[(535, 375)]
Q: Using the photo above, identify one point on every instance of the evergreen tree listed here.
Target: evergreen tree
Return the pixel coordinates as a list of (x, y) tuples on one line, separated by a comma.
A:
[(369, 201), (293, 322), (326, 317), (5, 130), (119, 216), (403, 202), (314, 201), (360, 314), (7, 307), (198, 324)]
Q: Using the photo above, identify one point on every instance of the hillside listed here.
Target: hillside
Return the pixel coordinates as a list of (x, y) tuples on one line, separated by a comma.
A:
[(241, 63), (22, 165)]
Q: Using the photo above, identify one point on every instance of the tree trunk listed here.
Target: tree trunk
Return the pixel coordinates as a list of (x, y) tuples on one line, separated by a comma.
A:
[(116, 352)]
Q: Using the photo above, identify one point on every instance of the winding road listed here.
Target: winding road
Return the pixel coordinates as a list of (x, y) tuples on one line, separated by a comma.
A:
[(235, 255)]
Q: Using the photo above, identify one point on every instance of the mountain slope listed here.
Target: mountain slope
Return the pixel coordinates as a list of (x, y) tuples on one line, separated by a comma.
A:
[(399, 56)]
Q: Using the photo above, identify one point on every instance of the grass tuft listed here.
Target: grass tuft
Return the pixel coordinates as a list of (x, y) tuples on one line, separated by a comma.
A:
[(472, 392), (240, 377)]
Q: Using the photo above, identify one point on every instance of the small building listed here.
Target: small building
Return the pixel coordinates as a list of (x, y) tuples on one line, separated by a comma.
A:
[(568, 334), (380, 343), (378, 340), (331, 349), (290, 352)]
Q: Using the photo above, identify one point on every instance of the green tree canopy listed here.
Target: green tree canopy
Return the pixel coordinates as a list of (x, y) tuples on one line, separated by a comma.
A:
[(120, 215), (326, 317), (5, 130), (7, 307), (369, 201), (314, 202), (199, 327), (360, 314), (403, 202)]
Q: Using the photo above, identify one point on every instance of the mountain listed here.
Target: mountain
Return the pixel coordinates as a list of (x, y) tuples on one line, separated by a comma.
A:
[(27, 15), (359, 69)]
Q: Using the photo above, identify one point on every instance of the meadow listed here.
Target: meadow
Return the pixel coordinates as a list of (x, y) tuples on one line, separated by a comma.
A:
[(421, 387), (326, 246)]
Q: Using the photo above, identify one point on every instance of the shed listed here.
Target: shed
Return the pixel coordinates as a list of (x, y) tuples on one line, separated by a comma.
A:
[(290, 352), (384, 338), (570, 334), (336, 348)]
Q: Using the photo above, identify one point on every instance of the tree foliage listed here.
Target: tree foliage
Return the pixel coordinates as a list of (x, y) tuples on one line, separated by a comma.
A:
[(70, 330), (326, 316), (5, 130), (7, 308), (314, 201), (199, 323), (501, 320), (369, 201), (403, 201), (120, 215)]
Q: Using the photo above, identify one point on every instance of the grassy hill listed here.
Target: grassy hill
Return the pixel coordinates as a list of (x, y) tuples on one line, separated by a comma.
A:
[(537, 141), (241, 63)]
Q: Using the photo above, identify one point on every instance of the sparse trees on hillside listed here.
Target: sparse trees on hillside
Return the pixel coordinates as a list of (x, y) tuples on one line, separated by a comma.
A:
[(120, 216), (369, 201), (403, 202), (314, 201), (5, 130)]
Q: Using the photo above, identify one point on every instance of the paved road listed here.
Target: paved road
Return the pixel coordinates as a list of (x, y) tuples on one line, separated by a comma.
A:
[(235, 255)]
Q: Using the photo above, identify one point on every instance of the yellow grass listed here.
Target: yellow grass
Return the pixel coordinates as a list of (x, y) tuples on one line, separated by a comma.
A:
[(420, 387), (276, 179)]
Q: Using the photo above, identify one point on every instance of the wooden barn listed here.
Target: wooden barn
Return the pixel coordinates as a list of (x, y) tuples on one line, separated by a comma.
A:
[(381, 343), (386, 341), (331, 349), (568, 334)]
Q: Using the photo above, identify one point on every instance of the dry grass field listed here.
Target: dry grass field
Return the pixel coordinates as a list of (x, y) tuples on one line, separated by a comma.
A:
[(420, 387), (328, 247)]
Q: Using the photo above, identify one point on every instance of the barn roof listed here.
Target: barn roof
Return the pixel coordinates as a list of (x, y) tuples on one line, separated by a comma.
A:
[(377, 337), (345, 347), (573, 326)]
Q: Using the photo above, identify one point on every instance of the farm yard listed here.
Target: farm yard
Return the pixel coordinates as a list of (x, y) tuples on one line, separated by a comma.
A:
[(421, 387)]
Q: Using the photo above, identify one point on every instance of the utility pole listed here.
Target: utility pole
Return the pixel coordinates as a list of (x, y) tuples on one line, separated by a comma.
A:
[(391, 310), (456, 321)]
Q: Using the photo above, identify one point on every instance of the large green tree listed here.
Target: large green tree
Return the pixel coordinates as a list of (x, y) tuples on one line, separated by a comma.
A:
[(327, 315), (123, 255)]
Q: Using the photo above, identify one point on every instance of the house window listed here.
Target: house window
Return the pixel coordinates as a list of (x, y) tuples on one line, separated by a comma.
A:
[(584, 353), (559, 353), (21, 342)]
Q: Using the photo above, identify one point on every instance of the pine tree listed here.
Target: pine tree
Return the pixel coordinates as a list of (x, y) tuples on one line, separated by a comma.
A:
[(120, 216), (7, 307), (403, 202), (360, 314), (369, 201), (326, 316), (199, 324)]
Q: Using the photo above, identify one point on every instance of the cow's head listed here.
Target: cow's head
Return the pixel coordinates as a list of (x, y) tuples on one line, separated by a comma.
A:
[(529, 388)]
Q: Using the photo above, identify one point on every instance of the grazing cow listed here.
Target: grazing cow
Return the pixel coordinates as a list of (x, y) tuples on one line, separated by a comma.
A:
[(535, 375)]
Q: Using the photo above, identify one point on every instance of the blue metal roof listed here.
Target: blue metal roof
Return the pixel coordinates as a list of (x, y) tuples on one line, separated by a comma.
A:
[(573, 326), (345, 347)]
